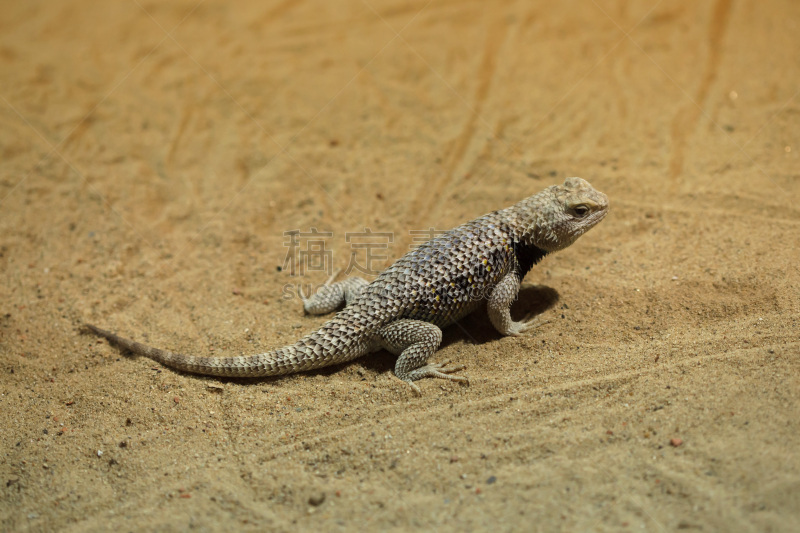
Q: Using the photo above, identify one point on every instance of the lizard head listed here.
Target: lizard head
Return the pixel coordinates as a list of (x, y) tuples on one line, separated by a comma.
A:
[(560, 214)]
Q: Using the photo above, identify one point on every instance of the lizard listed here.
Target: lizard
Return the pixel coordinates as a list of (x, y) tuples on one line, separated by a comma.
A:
[(481, 262)]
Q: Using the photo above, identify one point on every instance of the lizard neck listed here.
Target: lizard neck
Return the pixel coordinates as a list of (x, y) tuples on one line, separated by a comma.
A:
[(527, 257)]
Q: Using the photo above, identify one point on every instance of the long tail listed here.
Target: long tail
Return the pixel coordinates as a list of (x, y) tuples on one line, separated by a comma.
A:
[(327, 346)]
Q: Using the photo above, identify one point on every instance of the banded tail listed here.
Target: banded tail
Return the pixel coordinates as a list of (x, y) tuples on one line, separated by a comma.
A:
[(335, 342)]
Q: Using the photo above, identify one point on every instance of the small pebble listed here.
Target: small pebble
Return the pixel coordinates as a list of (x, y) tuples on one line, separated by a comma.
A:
[(675, 442), (317, 499)]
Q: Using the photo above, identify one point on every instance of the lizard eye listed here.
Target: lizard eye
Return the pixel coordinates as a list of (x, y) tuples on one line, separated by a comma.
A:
[(580, 211)]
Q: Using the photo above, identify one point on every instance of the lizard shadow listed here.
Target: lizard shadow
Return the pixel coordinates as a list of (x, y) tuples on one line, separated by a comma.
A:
[(476, 328), (532, 301)]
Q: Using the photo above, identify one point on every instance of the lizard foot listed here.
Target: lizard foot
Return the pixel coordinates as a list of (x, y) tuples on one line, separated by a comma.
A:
[(517, 329), (436, 370)]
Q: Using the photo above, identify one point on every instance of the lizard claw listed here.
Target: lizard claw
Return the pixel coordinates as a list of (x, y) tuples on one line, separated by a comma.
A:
[(414, 387)]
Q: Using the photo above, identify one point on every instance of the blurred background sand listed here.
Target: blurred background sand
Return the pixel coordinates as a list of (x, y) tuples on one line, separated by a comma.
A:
[(154, 154)]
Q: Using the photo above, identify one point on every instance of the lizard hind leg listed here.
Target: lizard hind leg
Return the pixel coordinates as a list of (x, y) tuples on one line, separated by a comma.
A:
[(415, 341), (332, 295)]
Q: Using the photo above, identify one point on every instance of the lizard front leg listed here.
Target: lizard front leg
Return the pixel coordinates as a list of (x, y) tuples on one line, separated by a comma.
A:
[(499, 307), (415, 341), (332, 296)]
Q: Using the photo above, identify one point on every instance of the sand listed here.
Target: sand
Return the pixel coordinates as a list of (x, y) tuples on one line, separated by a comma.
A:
[(154, 155)]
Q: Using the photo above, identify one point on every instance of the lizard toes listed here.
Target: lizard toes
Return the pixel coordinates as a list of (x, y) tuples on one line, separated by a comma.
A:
[(430, 371), (520, 328), (443, 367), (414, 387)]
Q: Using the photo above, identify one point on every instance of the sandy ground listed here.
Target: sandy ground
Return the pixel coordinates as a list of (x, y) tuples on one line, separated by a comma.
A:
[(154, 155)]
